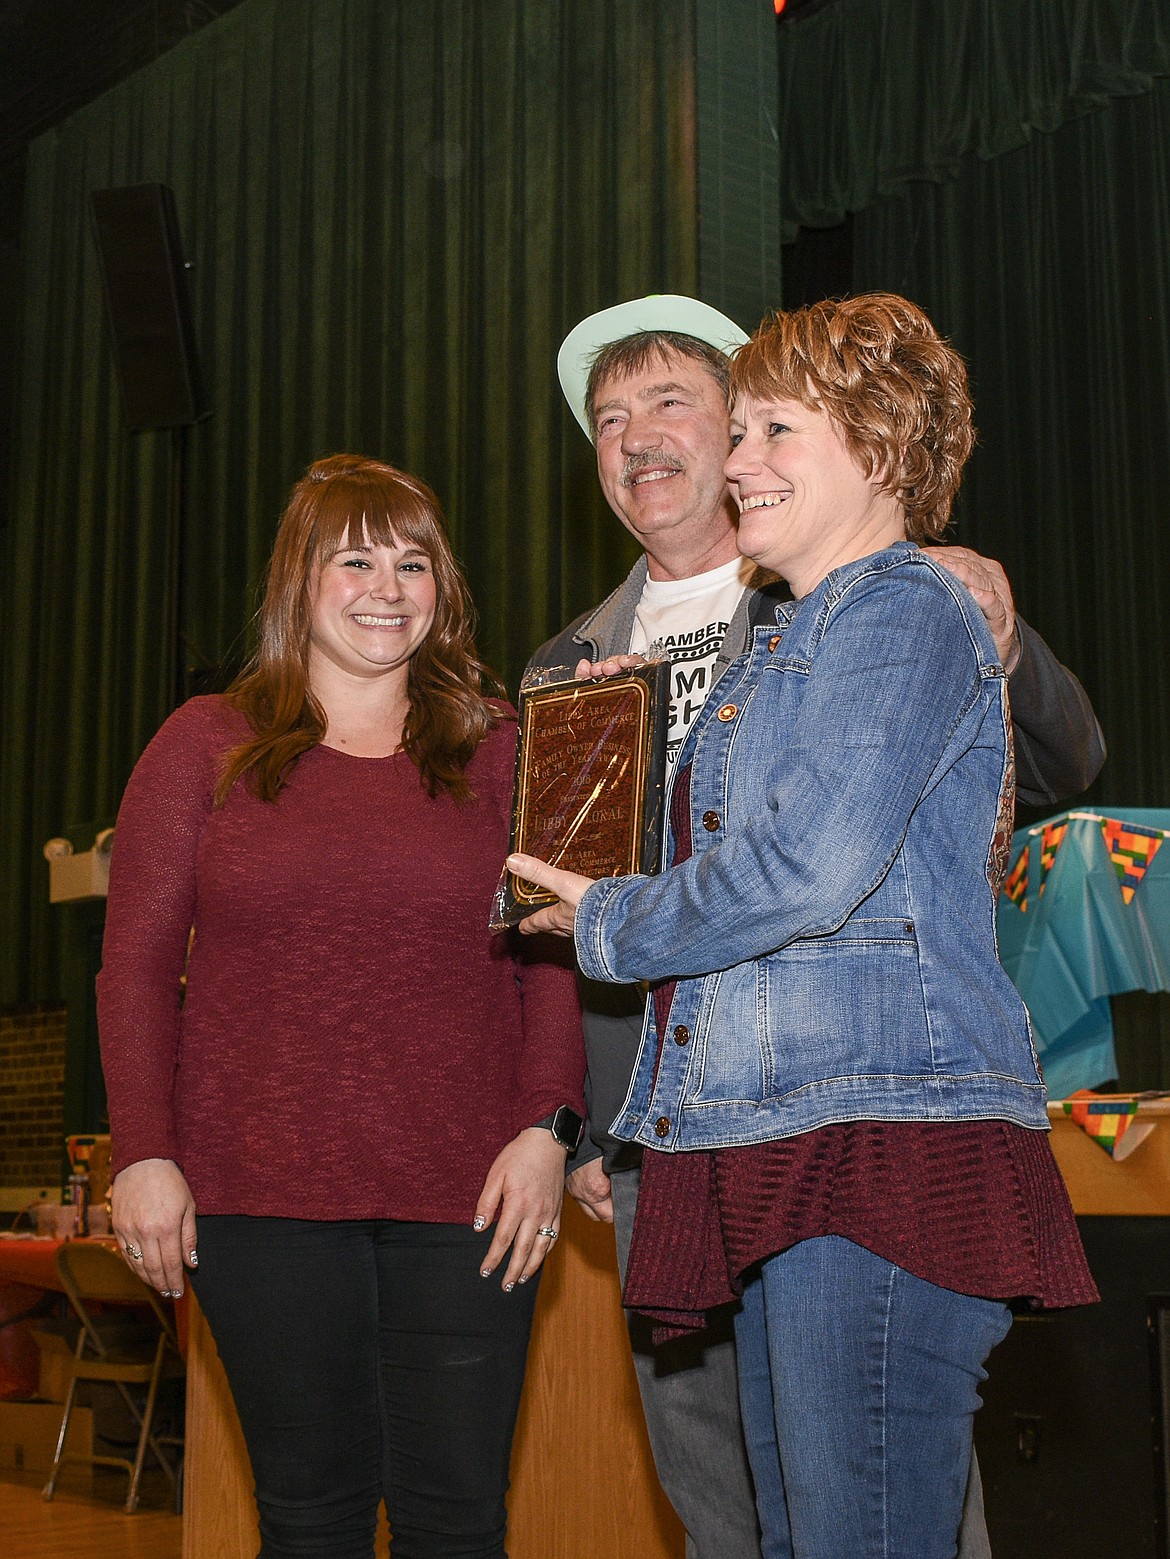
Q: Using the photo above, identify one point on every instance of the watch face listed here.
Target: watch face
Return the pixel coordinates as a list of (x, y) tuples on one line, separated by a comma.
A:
[(568, 1128)]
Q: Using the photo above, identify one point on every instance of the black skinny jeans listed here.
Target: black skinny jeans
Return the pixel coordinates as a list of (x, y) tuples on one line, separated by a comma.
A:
[(368, 1360)]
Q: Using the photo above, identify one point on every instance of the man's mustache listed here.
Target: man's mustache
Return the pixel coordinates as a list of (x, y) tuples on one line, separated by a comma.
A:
[(650, 460)]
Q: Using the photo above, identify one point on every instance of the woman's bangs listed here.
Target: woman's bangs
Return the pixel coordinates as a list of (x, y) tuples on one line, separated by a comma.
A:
[(762, 370), (356, 514)]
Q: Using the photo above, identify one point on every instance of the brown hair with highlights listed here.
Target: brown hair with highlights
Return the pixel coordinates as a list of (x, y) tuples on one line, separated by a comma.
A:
[(896, 390), (346, 501), (635, 353)]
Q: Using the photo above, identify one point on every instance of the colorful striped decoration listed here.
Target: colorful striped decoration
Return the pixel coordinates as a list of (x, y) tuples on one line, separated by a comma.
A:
[(1107, 1119), (1050, 843), (1131, 849), (1016, 882)]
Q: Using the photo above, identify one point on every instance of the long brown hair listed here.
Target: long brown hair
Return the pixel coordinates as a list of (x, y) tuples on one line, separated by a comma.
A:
[(346, 501)]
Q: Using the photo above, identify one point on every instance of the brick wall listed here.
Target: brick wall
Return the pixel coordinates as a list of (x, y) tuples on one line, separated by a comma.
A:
[(32, 1098)]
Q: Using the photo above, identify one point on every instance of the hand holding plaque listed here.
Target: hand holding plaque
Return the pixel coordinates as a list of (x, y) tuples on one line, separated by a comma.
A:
[(590, 776)]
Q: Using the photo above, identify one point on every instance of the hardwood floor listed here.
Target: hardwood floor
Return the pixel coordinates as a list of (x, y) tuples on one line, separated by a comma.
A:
[(85, 1520)]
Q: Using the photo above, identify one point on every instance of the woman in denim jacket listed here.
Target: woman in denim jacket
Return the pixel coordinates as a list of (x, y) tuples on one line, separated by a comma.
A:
[(836, 1073)]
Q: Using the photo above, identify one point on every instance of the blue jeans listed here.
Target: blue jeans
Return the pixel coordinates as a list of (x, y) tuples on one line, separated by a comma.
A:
[(858, 1388)]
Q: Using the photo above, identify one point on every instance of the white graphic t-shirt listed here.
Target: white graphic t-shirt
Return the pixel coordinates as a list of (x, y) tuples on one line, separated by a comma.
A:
[(690, 617)]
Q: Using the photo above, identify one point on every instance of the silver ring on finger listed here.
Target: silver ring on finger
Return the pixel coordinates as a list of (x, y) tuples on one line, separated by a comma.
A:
[(548, 1232), (133, 1252)]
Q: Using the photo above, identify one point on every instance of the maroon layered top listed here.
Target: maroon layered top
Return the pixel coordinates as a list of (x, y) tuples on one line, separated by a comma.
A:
[(353, 1043)]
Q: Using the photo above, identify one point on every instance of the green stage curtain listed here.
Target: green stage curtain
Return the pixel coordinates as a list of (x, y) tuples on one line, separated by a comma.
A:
[(1047, 268), (875, 93), (394, 212)]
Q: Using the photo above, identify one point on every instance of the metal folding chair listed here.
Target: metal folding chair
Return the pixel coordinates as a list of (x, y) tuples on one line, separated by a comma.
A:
[(143, 1356)]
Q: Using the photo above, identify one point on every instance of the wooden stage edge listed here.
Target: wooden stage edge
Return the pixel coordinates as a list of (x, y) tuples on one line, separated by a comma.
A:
[(583, 1479)]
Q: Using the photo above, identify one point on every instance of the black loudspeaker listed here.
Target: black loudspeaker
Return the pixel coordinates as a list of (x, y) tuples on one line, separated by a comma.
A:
[(1071, 1436), (137, 240)]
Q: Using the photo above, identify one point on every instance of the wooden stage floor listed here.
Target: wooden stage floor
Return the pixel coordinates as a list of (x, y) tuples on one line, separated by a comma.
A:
[(85, 1520)]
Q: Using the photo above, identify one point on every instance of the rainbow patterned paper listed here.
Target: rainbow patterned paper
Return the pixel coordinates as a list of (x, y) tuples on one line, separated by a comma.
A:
[(1109, 1120), (1016, 882), (1131, 849), (1049, 844)]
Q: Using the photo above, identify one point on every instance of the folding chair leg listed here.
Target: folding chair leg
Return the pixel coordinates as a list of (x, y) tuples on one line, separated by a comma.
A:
[(137, 1416), (144, 1420), (163, 1463), (145, 1437), (59, 1454)]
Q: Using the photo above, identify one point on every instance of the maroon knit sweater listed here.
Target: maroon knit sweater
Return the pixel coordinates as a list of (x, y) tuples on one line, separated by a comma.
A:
[(353, 1043)]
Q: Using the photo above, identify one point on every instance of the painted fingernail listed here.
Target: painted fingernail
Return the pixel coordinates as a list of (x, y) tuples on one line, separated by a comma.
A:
[(508, 1287), (194, 1258), (478, 1222), (486, 1272), (523, 1280)]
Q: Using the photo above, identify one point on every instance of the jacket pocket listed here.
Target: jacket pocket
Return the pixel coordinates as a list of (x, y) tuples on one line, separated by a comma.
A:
[(729, 1065), (846, 1005)]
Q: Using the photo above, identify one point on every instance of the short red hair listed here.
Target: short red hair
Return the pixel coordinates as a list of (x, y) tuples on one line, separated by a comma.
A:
[(897, 391)]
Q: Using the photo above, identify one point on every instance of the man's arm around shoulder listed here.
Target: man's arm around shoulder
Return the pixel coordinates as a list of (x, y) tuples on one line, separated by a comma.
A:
[(1059, 745)]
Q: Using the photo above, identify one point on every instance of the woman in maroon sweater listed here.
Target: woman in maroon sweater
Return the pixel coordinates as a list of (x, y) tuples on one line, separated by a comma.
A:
[(357, 1094)]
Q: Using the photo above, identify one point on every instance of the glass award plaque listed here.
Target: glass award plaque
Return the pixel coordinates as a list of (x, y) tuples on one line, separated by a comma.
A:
[(590, 777)]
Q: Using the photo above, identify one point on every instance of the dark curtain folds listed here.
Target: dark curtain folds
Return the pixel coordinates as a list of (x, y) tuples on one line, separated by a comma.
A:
[(1047, 268), (395, 211), (875, 93)]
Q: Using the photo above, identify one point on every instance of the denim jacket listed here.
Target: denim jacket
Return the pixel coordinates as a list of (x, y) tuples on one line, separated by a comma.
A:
[(833, 932)]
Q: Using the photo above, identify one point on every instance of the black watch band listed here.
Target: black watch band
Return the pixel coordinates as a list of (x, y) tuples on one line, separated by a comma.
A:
[(566, 1126)]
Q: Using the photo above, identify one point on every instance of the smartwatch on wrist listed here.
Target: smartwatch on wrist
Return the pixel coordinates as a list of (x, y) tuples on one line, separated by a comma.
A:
[(566, 1126)]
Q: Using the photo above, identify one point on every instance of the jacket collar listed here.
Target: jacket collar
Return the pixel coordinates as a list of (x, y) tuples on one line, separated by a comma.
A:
[(607, 630), (760, 603)]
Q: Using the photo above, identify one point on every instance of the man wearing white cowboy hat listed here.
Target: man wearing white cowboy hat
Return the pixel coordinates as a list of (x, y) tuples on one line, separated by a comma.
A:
[(647, 381)]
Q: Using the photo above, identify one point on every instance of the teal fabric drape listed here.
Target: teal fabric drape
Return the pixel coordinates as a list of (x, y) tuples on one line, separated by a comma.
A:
[(395, 211), (1070, 940), (875, 93)]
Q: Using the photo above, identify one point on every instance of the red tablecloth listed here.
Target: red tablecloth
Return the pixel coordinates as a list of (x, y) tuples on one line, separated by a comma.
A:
[(30, 1259), (28, 1269)]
